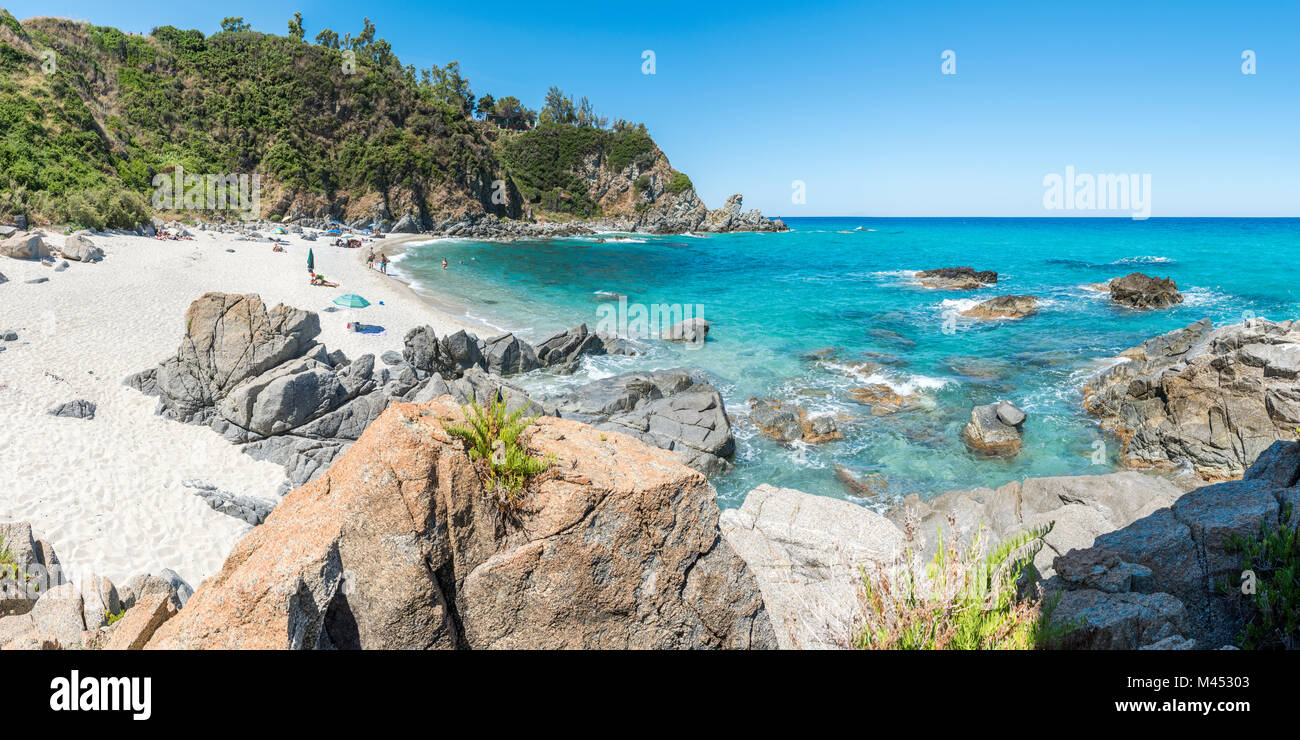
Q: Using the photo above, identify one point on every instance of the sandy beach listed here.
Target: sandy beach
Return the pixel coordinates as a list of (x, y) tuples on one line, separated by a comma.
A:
[(108, 491)]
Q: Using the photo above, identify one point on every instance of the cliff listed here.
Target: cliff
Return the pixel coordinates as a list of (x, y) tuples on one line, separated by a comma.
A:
[(92, 115)]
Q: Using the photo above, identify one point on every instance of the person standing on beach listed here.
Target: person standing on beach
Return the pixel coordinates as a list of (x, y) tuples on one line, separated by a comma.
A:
[(383, 263)]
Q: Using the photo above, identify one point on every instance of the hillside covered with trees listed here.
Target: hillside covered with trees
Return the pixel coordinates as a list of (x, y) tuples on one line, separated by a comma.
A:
[(336, 127)]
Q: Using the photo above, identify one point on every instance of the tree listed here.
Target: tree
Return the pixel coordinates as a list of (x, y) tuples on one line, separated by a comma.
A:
[(234, 25), (558, 107), (486, 105), (328, 39), (295, 26)]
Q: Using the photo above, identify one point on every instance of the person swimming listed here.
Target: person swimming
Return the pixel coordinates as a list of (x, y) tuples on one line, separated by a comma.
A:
[(444, 263)]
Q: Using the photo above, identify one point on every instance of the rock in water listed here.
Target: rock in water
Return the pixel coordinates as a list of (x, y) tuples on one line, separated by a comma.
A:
[(991, 430), (789, 423), (1143, 291), (1004, 307), (508, 354), (956, 278), (693, 331), (79, 409), (619, 548), (1213, 398), (565, 350), (808, 553)]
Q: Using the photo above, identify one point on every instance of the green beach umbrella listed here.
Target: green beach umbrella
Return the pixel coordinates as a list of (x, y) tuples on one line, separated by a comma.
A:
[(311, 260), (351, 300)]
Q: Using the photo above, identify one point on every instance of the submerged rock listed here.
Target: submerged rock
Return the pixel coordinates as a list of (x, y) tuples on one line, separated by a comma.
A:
[(790, 423), (692, 331), (956, 278), (1004, 307)]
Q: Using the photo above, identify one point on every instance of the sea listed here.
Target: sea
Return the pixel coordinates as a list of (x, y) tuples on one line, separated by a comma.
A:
[(807, 316)]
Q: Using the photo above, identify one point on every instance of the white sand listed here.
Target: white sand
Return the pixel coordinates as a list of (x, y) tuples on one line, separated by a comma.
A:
[(106, 492)]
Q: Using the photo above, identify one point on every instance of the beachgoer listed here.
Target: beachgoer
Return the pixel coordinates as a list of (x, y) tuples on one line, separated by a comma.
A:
[(383, 263), (444, 263)]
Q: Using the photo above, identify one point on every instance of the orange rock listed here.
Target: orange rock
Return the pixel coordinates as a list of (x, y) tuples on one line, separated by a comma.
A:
[(398, 546)]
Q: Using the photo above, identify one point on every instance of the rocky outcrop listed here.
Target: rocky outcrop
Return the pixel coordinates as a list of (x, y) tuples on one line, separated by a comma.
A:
[(676, 410), (994, 429), (1143, 291), (1004, 307), (25, 246), (1210, 398), (956, 278), (397, 546), (508, 354), (808, 553)]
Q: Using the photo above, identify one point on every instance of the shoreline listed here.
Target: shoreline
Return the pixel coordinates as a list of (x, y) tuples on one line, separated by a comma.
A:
[(111, 490)]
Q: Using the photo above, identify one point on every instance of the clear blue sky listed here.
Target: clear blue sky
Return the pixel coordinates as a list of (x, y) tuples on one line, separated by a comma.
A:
[(848, 97)]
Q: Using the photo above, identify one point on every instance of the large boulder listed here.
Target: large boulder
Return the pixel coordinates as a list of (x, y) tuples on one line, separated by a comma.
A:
[(1211, 398), (1143, 291), (808, 553), (25, 246), (565, 350), (228, 339), (449, 356), (508, 354), (994, 429), (78, 248), (397, 546)]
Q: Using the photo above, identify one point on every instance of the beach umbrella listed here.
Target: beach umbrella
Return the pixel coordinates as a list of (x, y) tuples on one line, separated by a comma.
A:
[(311, 260), (351, 300)]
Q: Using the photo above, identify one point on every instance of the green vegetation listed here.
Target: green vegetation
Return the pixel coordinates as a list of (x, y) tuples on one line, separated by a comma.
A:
[(491, 436), (112, 618), (1274, 558), (679, 183), (965, 600), (329, 126), (545, 162)]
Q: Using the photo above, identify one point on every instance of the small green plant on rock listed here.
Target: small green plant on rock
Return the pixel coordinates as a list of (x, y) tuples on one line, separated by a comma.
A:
[(1273, 558), (962, 600), (491, 435)]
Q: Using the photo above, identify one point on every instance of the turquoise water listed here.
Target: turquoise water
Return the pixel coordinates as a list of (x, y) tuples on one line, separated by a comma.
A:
[(791, 313)]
